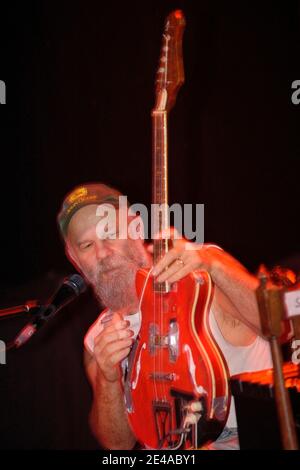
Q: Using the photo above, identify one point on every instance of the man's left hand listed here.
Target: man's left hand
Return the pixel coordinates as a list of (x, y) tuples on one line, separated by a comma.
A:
[(181, 260)]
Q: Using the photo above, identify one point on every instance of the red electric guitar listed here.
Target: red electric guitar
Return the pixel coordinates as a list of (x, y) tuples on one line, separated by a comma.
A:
[(176, 388)]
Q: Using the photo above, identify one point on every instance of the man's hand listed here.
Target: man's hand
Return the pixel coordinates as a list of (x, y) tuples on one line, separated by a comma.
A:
[(186, 257), (112, 345), (108, 419)]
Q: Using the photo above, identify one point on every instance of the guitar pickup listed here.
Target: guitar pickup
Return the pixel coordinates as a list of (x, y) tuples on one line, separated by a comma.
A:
[(169, 341)]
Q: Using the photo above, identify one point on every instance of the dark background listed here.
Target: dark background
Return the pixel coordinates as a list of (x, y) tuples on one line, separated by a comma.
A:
[(79, 78)]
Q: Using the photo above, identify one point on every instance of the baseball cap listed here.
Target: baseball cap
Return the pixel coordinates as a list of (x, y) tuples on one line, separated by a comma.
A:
[(83, 195)]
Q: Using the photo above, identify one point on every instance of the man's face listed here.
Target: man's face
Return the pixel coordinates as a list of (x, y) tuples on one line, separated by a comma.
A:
[(110, 265)]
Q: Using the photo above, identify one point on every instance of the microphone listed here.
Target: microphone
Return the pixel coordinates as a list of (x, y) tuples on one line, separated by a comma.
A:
[(71, 287)]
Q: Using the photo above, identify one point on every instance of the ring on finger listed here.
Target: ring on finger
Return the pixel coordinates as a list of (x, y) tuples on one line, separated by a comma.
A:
[(180, 261)]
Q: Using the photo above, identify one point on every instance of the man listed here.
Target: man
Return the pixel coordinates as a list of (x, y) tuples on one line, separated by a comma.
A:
[(110, 264)]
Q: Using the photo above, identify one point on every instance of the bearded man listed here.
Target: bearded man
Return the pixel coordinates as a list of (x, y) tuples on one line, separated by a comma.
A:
[(110, 262)]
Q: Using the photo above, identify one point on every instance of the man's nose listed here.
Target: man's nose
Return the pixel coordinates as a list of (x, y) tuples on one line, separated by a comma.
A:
[(101, 249)]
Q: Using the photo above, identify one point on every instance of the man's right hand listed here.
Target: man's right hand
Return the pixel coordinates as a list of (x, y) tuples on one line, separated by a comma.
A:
[(111, 346)]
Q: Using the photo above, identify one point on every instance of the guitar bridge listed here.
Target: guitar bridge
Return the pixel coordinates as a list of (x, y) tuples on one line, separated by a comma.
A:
[(160, 376)]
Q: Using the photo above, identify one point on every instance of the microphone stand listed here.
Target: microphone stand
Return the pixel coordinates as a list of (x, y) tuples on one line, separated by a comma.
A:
[(19, 309), (30, 307), (71, 287)]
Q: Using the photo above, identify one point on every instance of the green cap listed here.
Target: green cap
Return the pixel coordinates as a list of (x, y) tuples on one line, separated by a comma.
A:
[(83, 195)]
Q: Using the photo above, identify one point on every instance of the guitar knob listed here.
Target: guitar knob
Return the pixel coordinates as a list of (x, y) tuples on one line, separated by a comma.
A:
[(196, 407), (190, 418)]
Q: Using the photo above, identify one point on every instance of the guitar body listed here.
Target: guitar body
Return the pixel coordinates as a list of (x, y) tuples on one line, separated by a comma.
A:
[(177, 395)]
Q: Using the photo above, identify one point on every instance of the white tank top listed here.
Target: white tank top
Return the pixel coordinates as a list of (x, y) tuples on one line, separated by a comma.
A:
[(256, 356)]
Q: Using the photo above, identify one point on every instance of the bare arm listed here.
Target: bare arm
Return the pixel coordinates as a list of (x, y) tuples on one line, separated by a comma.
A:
[(108, 417), (238, 285)]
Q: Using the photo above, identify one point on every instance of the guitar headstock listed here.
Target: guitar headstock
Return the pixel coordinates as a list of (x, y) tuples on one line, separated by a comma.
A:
[(170, 73)]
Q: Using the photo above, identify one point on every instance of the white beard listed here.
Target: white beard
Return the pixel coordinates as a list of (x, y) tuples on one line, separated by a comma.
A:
[(113, 280)]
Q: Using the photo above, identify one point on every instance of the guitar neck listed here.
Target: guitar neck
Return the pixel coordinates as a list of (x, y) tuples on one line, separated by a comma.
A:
[(160, 215), (169, 78)]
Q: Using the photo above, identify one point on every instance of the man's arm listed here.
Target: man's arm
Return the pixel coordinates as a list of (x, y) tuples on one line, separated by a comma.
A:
[(108, 416), (237, 284)]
